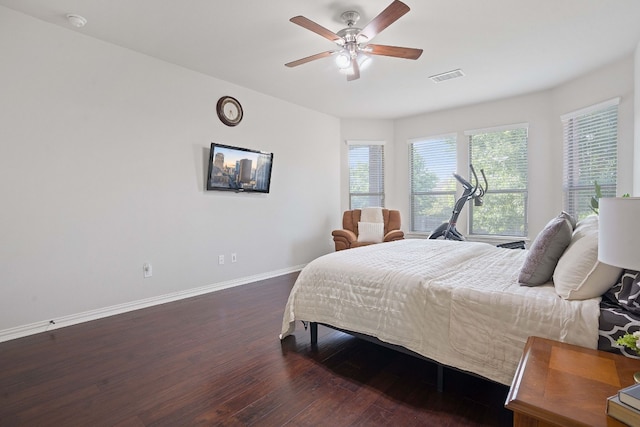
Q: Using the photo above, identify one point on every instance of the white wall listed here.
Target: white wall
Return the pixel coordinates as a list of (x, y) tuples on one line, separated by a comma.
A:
[(616, 79), (542, 112), (103, 156)]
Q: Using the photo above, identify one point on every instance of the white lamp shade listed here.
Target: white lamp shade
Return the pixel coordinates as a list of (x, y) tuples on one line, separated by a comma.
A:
[(619, 232), (343, 60)]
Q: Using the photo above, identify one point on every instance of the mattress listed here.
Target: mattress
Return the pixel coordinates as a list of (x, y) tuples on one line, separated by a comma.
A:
[(457, 303)]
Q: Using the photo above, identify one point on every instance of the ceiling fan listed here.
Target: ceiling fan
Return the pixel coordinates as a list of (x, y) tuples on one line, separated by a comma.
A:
[(354, 42)]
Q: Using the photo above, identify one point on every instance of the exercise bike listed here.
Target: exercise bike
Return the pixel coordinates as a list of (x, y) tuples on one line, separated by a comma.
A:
[(447, 230)]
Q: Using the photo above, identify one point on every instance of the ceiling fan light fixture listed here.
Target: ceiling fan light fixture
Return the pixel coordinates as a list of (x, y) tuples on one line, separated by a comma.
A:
[(363, 63), (343, 60)]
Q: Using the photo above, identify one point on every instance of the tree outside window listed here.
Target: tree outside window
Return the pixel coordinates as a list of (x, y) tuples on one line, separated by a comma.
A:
[(502, 153), (366, 174), (432, 163)]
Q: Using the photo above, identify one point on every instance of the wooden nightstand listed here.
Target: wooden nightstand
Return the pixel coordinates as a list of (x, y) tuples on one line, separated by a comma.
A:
[(559, 384)]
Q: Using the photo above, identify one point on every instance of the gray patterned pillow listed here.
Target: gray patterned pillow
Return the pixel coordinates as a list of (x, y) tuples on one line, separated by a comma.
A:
[(545, 252), (626, 293)]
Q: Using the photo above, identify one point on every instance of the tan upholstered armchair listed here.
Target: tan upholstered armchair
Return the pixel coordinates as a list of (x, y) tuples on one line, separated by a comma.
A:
[(348, 237)]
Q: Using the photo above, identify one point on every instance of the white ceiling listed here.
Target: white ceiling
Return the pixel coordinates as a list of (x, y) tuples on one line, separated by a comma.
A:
[(505, 47)]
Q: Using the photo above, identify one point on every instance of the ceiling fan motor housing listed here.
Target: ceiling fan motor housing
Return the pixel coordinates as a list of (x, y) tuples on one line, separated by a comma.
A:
[(350, 34), (351, 42)]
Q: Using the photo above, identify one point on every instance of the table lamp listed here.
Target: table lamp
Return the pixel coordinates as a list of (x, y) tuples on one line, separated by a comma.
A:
[(619, 232), (619, 237)]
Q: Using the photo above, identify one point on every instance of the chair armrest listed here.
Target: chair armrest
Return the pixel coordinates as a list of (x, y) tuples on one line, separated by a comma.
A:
[(343, 239), (348, 235), (394, 235)]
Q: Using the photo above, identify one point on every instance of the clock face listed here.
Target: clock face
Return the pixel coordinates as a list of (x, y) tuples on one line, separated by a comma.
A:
[(229, 111)]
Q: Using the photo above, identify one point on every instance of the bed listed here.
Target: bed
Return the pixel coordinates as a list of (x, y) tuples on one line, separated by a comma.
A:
[(459, 304)]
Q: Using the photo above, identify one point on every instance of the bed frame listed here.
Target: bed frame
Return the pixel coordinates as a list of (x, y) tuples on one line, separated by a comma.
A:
[(313, 330)]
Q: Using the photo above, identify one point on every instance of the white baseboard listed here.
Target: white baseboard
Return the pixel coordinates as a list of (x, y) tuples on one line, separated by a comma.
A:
[(73, 319)]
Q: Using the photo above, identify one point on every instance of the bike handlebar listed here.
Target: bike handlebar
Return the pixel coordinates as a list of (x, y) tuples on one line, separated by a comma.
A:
[(466, 184), (471, 188), (486, 184)]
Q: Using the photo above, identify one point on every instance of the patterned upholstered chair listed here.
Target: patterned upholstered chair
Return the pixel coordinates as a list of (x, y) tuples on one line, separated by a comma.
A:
[(352, 236)]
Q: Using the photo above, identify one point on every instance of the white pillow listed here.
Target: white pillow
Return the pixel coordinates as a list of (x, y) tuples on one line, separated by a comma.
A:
[(579, 274), (586, 226), (371, 215), (370, 232)]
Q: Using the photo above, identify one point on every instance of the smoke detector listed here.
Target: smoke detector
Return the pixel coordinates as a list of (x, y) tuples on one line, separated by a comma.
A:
[(76, 20)]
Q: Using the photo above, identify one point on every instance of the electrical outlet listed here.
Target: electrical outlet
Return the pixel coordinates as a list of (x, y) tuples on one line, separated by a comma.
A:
[(220, 259), (147, 270), (234, 257)]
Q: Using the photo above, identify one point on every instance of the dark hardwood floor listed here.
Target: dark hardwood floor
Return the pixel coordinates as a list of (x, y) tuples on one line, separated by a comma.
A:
[(216, 360)]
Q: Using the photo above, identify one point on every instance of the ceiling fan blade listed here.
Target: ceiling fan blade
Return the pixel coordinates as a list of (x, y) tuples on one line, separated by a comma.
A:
[(395, 51), (310, 58), (391, 14), (354, 73), (317, 28)]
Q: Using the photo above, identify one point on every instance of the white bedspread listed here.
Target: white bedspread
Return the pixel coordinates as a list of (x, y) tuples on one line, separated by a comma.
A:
[(457, 303)]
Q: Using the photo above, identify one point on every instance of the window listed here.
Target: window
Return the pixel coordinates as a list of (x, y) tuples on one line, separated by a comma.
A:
[(502, 153), (590, 155), (432, 162), (366, 174)]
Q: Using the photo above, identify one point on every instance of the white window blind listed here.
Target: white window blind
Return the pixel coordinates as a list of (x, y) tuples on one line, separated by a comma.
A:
[(366, 174), (502, 153), (432, 162), (590, 155)]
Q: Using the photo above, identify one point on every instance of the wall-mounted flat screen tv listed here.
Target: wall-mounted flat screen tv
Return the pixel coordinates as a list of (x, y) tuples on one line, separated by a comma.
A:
[(239, 169)]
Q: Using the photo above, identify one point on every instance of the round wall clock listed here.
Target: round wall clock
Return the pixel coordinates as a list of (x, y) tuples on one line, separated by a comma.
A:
[(229, 111)]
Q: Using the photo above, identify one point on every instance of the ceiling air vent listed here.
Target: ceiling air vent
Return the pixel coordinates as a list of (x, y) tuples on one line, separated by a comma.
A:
[(454, 74)]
